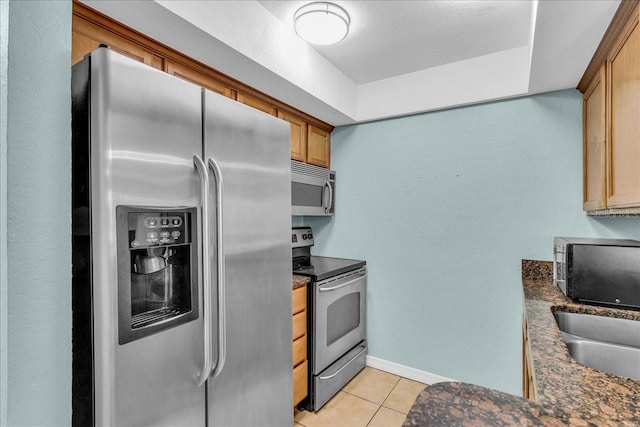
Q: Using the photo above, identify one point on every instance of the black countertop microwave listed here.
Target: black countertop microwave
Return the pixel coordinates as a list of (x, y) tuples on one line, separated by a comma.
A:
[(598, 271), (313, 190)]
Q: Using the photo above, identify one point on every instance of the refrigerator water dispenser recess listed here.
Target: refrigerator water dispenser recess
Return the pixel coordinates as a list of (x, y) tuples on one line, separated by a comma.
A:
[(157, 270)]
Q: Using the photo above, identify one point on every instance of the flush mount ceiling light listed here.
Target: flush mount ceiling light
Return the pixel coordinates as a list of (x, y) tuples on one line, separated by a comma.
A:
[(321, 23)]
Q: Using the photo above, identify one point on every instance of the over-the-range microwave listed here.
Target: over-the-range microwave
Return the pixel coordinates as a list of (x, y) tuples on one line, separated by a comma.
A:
[(598, 271), (313, 190)]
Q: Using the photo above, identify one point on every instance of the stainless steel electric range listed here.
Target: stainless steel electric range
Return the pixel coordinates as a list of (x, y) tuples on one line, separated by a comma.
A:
[(336, 322)]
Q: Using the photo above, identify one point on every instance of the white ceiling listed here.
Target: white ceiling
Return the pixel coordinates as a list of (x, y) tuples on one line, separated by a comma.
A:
[(401, 57), (390, 38)]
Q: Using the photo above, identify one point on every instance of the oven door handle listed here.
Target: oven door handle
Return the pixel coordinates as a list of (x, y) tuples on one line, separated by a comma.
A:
[(342, 285), (328, 377), (206, 274), (222, 303)]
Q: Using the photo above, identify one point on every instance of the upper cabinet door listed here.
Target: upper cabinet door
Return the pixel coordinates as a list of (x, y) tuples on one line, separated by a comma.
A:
[(257, 104), (200, 79), (623, 156), (594, 134), (86, 38), (298, 136), (318, 147)]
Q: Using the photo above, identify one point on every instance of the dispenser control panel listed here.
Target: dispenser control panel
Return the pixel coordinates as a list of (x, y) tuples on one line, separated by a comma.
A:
[(148, 229)]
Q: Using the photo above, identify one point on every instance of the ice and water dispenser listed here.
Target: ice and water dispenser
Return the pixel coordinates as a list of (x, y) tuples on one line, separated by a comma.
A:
[(157, 270)]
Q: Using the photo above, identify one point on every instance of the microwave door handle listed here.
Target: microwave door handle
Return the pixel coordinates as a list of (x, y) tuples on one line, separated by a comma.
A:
[(206, 273), (330, 203), (222, 304)]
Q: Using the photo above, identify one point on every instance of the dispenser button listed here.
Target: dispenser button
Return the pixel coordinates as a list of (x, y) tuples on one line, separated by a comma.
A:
[(164, 234), (175, 234)]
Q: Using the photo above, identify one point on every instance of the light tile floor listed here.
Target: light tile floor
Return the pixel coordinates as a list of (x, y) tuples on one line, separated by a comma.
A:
[(373, 398)]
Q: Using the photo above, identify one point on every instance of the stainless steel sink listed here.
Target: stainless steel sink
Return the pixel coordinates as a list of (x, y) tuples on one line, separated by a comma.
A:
[(608, 344)]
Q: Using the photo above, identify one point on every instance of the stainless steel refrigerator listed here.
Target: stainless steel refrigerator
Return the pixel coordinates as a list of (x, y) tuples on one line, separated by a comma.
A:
[(181, 253)]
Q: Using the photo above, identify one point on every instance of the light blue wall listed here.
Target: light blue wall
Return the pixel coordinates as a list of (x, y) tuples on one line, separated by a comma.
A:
[(443, 206), (36, 284), (4, 54)]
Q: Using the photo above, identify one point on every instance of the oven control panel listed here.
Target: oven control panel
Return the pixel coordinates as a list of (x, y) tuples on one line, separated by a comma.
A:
[(301, 237)]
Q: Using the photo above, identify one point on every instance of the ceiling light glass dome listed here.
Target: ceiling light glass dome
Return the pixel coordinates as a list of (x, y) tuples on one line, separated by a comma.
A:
[(321, 23)]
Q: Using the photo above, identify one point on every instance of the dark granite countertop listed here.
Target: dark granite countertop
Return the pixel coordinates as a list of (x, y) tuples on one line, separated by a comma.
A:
[(461, 404), (298, 281), (567, 393), (559, 379)]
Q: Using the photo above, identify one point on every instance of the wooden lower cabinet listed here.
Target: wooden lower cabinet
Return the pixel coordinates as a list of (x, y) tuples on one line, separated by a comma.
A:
[(300, 385), (299, 347), (528, 383)]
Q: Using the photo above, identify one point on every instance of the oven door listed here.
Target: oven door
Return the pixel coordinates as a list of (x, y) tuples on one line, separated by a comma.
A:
[(339, 322)]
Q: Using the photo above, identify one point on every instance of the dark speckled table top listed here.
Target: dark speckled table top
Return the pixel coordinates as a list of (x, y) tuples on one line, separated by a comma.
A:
[(567, 393)]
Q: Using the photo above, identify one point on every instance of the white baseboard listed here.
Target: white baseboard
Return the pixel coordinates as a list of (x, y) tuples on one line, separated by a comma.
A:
[(405, 371)]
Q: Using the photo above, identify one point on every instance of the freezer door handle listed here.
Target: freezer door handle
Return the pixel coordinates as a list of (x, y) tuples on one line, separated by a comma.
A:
[(222, 312), (206, 272)]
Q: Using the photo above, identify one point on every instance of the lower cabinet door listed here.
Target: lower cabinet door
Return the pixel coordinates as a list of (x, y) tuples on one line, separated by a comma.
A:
[(300, 386)]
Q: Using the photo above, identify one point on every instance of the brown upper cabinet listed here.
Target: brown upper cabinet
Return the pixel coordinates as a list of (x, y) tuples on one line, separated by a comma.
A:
[(623, 100), (198, 77), (310, 137), (298, 136), (594, 116), (611, 112), (86, 37), (318, 147), (256, 103)]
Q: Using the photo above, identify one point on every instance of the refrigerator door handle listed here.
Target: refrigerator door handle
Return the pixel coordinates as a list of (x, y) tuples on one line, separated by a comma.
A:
[(222, 312), (206, 272)]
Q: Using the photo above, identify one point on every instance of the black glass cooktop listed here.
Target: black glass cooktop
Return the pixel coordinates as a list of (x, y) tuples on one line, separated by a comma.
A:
[(321, 267)]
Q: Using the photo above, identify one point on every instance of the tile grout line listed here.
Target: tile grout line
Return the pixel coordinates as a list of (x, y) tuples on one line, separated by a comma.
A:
[(374, 415), (371, 401)]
